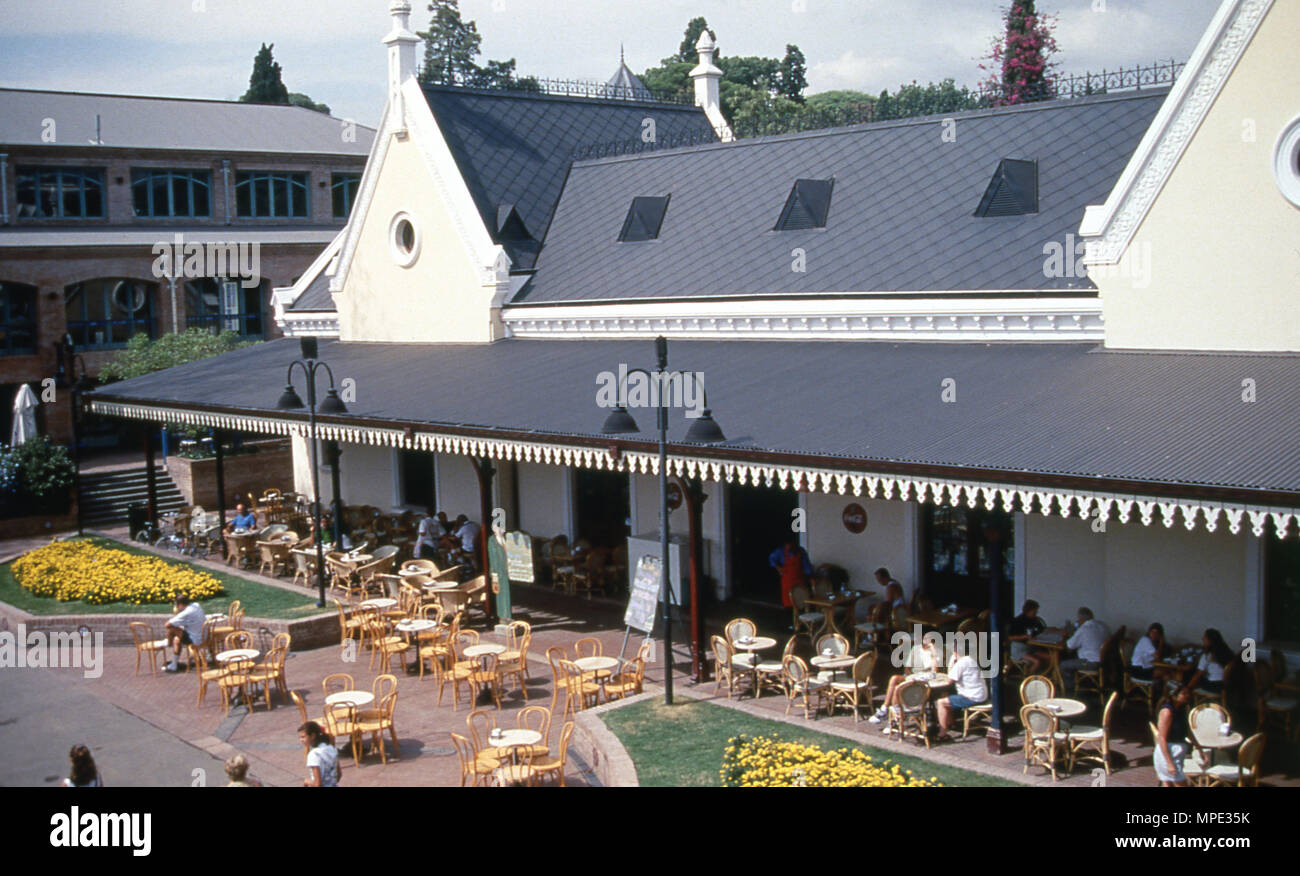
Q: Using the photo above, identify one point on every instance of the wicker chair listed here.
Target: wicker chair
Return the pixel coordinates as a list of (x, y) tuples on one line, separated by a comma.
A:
[(856, 690), (1095, 679), (1035, 688), (724, 665), (1083, 739), (1140, 689), (771, 673), (803, 619), (799, 682), (1045, 744), (910, 712), (1245, 772), (1273, 704)]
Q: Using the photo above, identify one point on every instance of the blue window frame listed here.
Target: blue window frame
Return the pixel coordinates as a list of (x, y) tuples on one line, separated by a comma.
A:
[(272, 194), (220, 305), (343, 187), (60, 192), (165, 193), (105, 312), (17, 319)]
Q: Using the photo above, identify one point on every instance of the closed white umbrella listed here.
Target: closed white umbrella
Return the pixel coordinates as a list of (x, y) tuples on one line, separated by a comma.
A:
[(24, 416)]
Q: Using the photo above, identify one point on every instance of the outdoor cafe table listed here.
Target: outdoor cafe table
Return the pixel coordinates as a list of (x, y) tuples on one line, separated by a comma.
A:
[(379, 603), (597, 665), (828, 606), (833, 662), (355, 698), (1063, 707), (1213, 740), (755, 643), (513, 739), (937, 618), (486, 648), (935, 680), (1053, 640), (413, 627), (238, 654), (243, 538)]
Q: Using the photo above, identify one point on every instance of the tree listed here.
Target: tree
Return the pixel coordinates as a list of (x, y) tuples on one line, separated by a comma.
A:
[(450, 45), (296, 99), (925, 100), (792, 77), (265, 85), (1019, 62), (686, 51), (144, 356)]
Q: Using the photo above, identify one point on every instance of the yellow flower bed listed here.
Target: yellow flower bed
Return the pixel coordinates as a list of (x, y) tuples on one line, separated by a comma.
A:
[(768, 762), (81, 570)]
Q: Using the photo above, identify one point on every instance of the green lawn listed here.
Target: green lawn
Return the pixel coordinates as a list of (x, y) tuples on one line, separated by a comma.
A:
[(258, 600), (681, 745)]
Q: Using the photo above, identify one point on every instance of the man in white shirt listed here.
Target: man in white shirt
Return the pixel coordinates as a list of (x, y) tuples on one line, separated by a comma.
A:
[(184, 628), (968, 678), (1087, 641), (426, 543)]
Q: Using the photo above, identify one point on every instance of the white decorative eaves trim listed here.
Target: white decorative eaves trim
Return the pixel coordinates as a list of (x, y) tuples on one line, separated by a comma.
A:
[(1111, 226), (310, 325), (1084, 504), (1073, 319)]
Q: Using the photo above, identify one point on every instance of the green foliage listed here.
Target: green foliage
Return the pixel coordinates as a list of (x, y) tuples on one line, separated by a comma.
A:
[(792, 78), (297, 99), (451, 45), (143, 355), (686, 51), (35, 476), (1019, 62), (840, 101), (924, 100), (265, 85)]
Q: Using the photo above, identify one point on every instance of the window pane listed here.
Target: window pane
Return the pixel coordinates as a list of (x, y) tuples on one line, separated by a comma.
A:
[(140, 195), (158, 190), (181, 195), (94, 193), (279, 196), (201, 186), (243, 198)]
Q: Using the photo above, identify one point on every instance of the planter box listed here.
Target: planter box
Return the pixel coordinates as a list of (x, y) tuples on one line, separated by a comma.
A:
[(38, 524), (270, 466)]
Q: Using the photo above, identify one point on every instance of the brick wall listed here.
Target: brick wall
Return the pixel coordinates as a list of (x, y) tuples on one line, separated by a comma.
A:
[(271, 466)]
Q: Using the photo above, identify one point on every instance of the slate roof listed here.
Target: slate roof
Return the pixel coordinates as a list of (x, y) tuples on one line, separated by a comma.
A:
[(516, 147), (138, 122), (316, 297), (1167, 419), (901, 215)]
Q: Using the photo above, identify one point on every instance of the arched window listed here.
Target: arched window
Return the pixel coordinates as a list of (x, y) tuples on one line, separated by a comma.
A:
[(263, 194), (170, 192), (60, 192), (224, 305), (17, 319), (106, 312)]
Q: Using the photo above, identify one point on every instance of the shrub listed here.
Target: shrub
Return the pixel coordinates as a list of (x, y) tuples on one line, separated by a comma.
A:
[(81, 570), (35, 477), (768, 762)]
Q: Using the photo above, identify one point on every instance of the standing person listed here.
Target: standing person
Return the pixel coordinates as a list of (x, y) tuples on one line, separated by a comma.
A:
[(322, 757), (84, 773), (183, 629), (1215, 657), (1022, 628), (1171, 736), (792, 563), (968, 678), (426, 541), (1087, 641)]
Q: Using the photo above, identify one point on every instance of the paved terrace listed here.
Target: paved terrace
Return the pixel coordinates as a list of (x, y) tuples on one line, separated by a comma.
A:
[(147, 730)]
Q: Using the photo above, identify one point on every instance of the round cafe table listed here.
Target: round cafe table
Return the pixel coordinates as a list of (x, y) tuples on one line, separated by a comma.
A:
[(238, 654), (1213, 741), (597, 665), (357, 698), (513, 739), (753, 645), (933, 679), (486, 648), (413, 627), (379, 603), (833, 663), (1062, 707)]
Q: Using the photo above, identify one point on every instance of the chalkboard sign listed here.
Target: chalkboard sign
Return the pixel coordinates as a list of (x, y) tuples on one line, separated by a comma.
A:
[(644, 600), (519, 556)]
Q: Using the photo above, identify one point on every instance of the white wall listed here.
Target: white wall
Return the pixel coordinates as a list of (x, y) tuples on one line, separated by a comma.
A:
[(541, 500), (883, 543), (645, 492), (457, 487), (1133, 575)]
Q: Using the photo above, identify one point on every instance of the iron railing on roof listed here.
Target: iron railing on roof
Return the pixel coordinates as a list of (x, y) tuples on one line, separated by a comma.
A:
[(627, 147), (568, 88)]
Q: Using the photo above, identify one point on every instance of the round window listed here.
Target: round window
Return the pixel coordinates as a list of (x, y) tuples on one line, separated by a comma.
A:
[(404, 238), (1286, 162)]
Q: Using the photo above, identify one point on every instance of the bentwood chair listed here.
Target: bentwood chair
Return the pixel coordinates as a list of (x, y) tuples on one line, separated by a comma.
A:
[(1045, 744), (799, 682), (583, 692), (303, 717), (460, 669), (628, 682), (536, 718), (376, 721), (554, 764), (341, 720), (235, 678), (1095, 678), (145, 643), (337, 683), (475, 765), (1083, 739), (270, 673), (206, 672), (513, 664), (486, 675)]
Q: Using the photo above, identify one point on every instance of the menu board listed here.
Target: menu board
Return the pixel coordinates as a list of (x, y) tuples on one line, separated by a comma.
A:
[(642, 604), (519, 557)]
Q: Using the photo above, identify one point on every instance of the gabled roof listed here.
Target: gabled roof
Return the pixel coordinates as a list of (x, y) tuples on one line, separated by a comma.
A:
[(902, 218), (625, 83), (516, 147), (311, 292), (136, 122)]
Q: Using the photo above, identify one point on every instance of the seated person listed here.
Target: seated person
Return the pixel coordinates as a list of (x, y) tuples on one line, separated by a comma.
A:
[(1149, 649), (1087, 641), (243, 521), (1024, 627), (461, 545), (968, 679), (1215, 657), (183, 629), (921, 658)]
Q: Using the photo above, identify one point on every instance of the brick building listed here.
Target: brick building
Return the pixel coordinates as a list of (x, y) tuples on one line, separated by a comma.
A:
[(92, 185)]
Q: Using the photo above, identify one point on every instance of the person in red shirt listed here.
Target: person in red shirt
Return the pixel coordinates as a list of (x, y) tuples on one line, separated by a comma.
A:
[(792, 563)]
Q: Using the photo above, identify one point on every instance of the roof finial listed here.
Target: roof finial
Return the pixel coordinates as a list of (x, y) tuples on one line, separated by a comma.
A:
[(621, 59)]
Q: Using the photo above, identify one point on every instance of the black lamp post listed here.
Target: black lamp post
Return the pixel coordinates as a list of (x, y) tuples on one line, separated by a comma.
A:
[(291, 401), (66, 377), (703, 430)]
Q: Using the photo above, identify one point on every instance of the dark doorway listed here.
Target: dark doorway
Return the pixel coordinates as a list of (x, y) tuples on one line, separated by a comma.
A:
[(759, 521), (417, 478), (603, 507), (957, 554)]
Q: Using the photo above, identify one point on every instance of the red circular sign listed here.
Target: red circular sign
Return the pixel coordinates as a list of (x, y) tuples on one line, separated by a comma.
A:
[(674, 497), (855, 518)]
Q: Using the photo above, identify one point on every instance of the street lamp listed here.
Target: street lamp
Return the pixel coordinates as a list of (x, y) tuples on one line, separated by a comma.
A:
[(291, 401), (703, 430), (66, 352)]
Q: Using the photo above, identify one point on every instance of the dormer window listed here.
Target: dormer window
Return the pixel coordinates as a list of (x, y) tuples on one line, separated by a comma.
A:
[(1013, 191), (808, 205), (644, 218)]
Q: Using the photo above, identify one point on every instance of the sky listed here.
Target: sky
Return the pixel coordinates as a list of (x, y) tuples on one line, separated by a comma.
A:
[(331, 49)]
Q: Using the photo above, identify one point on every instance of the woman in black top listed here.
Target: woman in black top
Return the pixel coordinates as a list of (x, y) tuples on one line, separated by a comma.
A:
[(1172, 746), (84, 773)]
